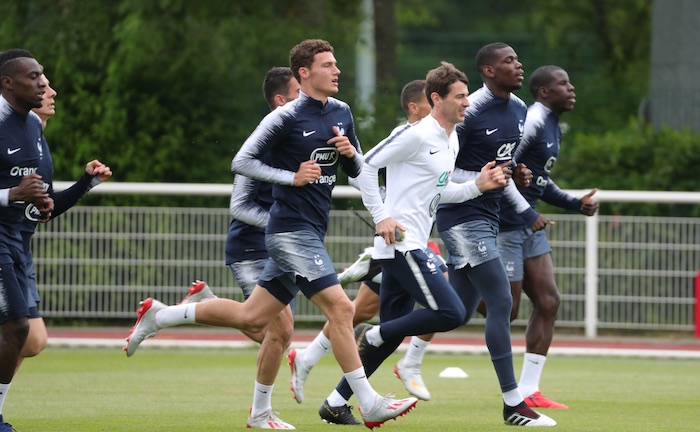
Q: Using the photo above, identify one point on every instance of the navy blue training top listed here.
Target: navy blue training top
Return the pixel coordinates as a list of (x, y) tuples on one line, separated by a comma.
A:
[(491, 130), (538, 150), (21, 153), (292, 134), (246, 237)]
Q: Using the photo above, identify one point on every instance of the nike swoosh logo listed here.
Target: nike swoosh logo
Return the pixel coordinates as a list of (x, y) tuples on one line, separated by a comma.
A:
[(549, 144), (490, 131), (13, 151), (308, 133), (433, 152)]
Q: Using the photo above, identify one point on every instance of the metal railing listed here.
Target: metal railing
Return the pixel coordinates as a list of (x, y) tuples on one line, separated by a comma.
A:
[(614, 272)]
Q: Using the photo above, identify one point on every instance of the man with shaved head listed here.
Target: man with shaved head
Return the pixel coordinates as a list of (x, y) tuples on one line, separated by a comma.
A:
[(20, 156)]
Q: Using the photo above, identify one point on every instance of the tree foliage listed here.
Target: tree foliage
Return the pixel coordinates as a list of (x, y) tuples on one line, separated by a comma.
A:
[(634, 158), (168, 90), (606, 47)]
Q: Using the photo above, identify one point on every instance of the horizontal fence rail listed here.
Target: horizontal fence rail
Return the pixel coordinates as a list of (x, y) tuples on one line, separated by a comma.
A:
[(614, 272)]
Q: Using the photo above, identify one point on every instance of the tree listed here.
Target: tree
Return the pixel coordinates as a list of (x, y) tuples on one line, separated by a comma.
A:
[(163, 91)]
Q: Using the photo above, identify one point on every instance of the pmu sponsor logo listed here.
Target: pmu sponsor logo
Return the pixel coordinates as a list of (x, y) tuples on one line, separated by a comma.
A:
[(505, 151), (17, 171), (325, 156), (32, 213)]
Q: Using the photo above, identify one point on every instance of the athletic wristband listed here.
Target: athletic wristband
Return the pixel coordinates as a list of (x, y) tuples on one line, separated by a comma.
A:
[(4, 197)]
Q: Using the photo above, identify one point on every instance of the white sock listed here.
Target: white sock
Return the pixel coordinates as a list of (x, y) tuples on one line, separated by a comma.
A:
[(262, 399), (374, 337), (360, 386), (176, 315), (336, 399), (532, 371), (4, 388), (316, 349), (512, 397), (414, 354)]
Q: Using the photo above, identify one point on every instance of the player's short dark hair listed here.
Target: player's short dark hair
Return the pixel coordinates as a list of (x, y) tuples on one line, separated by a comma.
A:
[(487, 55), (276, 82), (440, 79), (542, 76), (302, 55), (7, 59), (412, 92)]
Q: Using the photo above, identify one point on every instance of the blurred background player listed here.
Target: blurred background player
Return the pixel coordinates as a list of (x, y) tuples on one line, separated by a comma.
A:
[(95, 173), (525, 251), (246, 256)]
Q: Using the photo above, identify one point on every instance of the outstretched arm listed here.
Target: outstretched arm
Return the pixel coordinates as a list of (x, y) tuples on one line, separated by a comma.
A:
[(95, 173)]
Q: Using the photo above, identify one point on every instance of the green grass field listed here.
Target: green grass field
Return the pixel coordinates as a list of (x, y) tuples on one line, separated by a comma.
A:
[(211, 390)]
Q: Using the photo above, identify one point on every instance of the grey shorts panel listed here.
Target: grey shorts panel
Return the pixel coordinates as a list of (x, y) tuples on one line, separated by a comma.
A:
[(471, 243), (247, 273), (298, 253), (517, 246)]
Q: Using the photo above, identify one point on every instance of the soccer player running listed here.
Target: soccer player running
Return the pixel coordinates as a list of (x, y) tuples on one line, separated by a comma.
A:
[(308, 139), (20, 157), (246, 256), (492, 128), (419, 159), (301, 361), (95, 173), (525, 250)]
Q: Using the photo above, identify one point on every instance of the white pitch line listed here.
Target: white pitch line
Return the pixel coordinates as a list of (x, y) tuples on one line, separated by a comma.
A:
[(435, 348)]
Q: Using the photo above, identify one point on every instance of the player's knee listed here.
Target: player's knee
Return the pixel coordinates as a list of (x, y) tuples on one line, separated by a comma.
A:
[(15, 332), (343, 311), (283, 331), (502, 307), (34, 346), (363, 315), (256, 324), (279, 337), (454, 316), (549, 304)]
